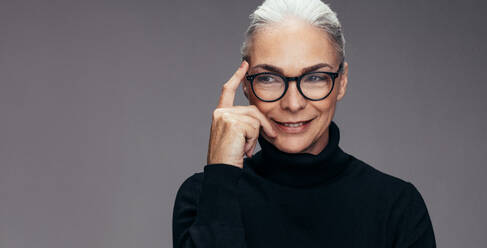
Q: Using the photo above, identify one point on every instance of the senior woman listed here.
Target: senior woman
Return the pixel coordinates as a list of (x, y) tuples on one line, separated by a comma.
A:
[(301, 189)]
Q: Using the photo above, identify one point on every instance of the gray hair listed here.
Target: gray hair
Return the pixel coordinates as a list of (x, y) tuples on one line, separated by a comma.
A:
[(314, 12)]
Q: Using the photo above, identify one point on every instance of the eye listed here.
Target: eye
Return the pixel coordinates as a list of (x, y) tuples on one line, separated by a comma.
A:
[(315, 78), (266, 78)]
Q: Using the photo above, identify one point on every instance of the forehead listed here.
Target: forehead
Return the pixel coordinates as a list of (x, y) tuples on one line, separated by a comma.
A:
[(292, 45)]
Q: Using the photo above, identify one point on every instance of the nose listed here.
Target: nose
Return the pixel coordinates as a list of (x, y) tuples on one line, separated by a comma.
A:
[(293, 101)]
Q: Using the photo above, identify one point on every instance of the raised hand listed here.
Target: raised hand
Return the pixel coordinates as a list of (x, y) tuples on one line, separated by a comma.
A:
[(235, 129)]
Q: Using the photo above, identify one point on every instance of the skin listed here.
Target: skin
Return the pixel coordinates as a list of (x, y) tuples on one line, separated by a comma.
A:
[(289, 46), (292, 46)]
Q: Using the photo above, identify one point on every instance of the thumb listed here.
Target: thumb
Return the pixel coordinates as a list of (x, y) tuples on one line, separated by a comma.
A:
[(250, 146)]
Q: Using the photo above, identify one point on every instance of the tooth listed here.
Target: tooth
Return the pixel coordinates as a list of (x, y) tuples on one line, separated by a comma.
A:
[(293, 124)]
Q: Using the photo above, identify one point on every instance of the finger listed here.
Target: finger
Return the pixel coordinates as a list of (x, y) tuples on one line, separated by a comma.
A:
[(230, 87), (249, 143), (250, 151), (255, 113), (251, 127), (264, 122)]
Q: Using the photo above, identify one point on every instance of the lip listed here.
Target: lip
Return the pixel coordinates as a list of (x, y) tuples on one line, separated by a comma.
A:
[(293, 130)]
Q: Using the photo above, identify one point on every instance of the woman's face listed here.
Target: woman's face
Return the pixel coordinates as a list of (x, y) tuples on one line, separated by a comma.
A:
[(290, 48)]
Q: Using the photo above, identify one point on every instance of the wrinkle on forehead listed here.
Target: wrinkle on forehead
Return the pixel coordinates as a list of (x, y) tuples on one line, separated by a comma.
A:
[(292, 45)]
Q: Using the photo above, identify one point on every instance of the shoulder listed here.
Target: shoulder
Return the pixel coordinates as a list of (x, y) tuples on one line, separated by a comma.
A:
[(398, 201), (193, 180), (377, 183), (190, 188), (213, 175), (366, 173), (397, 198)]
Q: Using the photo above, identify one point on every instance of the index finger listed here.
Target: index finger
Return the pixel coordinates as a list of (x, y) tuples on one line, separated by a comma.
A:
[(230, 87)]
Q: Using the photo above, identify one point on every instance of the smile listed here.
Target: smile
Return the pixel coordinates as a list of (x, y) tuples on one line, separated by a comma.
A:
[(293, 127)]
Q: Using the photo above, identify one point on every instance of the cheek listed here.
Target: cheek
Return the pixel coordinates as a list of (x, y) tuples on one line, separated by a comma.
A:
[(326, 111), (326, 105), (264, 107)]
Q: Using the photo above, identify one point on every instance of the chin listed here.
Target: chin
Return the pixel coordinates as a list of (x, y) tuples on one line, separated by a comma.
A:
[(291, 145)]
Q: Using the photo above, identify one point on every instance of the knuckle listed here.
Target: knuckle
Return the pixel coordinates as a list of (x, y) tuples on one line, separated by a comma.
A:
[(255, 123), (217, 113), (227, 117), (233, 124)]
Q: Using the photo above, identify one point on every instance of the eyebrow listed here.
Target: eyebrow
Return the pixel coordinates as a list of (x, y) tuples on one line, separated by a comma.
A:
[(280, 71)]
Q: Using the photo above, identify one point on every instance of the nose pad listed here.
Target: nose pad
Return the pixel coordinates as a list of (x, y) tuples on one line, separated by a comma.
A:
[(293, 100)]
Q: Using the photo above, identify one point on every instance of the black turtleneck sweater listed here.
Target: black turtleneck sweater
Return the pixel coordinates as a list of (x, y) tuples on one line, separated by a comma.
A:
[(299, 200)]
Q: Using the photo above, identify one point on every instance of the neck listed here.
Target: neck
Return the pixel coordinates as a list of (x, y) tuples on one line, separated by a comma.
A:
[(300, 169)]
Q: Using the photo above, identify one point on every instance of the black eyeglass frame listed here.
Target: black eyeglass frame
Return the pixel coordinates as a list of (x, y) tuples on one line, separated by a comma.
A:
[(286, 80)]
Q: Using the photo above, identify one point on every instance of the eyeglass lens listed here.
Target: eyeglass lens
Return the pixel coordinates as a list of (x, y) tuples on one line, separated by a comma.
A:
[(270, 87)]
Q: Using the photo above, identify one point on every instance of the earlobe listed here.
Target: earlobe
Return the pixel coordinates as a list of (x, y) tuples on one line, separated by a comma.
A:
[(245, 90), (342, 86)]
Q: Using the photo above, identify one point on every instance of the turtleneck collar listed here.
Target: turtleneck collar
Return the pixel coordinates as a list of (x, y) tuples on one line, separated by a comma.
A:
[(300, 169)]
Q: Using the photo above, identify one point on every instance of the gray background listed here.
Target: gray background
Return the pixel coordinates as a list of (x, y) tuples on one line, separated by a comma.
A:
[(105, 109)]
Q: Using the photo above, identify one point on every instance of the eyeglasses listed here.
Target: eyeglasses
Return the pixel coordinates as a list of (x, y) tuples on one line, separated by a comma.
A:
[(314, 86)]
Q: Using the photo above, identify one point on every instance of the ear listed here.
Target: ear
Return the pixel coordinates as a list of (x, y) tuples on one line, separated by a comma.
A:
[(343, 81), (245, 88)]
